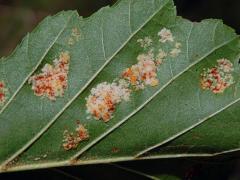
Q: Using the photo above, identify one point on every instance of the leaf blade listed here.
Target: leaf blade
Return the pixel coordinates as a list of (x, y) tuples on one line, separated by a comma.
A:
[(145, 17), (105, 60)]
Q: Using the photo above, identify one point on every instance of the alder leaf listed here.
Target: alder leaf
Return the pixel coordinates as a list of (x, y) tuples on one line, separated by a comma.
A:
[(216, 137), (182, 106), (114, 86)]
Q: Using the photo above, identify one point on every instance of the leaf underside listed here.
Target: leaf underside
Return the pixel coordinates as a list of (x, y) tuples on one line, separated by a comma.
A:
[(175, 118)]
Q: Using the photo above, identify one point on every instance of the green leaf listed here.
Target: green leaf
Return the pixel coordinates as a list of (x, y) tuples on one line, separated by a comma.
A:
[(88, 57), (180, 107), (101, 48), (215, 137)]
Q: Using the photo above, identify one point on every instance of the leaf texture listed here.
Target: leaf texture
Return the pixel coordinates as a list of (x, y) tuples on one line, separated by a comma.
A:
[(156, 120)]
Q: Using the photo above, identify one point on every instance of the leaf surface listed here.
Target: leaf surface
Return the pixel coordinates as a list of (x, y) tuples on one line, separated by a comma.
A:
[(212, 138), (172, 112), (32, 128), (89, 56)]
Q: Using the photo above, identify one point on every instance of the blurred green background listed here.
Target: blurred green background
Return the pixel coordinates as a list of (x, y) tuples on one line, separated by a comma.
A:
[(17, 17)]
